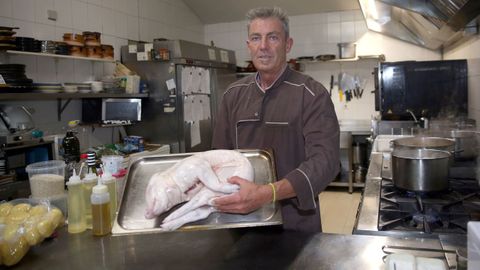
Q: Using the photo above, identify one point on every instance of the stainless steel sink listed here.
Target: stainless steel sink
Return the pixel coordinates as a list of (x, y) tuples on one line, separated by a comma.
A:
[(130, 218)]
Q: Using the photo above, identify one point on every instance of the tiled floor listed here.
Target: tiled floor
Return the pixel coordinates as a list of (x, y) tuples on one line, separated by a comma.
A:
[(338, 210)]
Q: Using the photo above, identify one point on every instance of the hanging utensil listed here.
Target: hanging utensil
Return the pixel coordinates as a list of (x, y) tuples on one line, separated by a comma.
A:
[(331, 85), (340, 86)]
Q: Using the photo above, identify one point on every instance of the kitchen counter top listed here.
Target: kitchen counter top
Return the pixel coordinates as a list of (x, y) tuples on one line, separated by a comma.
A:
[(245, 248)]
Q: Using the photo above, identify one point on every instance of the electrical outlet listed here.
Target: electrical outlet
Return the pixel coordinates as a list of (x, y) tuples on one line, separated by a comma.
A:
[(52, 15)]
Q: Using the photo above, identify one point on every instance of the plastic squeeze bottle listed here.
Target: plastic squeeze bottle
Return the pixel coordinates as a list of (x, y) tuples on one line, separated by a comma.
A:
[(76, 205), (89, 182), (100, 201), (108, 180)]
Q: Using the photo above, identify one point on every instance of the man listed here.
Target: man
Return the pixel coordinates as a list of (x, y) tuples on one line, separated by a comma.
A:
[(284, 111)]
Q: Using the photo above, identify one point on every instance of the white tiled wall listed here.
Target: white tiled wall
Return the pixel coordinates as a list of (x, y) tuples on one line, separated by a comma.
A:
[(117, 20), (319, 34), (470, 51)]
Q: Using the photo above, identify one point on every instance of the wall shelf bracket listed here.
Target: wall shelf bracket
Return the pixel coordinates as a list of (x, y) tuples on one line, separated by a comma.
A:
[(61, 108)]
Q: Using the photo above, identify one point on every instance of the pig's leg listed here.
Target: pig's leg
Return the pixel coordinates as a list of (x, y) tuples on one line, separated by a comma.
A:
[(200, 199), (203, 171), (197, 214)]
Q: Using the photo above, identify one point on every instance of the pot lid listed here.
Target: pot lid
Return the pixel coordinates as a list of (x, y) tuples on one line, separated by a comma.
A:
[(424, 142), (420, 154)]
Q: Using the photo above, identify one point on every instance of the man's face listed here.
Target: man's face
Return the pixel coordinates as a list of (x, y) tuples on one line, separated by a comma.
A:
[(268, 44)]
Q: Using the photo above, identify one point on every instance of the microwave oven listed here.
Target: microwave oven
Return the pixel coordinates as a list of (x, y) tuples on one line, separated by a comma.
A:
[(432, 89), (112, 110)]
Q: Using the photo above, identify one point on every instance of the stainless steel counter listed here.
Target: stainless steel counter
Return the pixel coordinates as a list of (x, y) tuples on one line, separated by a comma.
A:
[(367, 216), (243, 248)]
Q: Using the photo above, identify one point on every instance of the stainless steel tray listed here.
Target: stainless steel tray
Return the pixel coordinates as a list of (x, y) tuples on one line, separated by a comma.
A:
[(130, 219)]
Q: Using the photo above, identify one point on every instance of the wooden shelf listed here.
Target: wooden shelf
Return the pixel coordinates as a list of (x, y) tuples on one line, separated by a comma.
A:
[(47, 96), (61, 56)]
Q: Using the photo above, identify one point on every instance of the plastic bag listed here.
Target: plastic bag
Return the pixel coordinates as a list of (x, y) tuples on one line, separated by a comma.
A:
[(25, 223)]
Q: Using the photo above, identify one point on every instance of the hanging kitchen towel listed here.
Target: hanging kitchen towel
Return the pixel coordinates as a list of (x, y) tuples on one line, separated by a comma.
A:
[(187, 77), (205, 81), (196, 78), (205, 104), (188, 108)]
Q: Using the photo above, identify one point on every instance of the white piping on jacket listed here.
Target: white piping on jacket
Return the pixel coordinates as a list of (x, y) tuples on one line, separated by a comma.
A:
[(310, 184), (277, 123), (237, 85), (294, 84), (236, 128)]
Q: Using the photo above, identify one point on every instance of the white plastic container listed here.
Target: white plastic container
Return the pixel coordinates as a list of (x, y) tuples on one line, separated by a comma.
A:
[(113, 163), (47, 178)]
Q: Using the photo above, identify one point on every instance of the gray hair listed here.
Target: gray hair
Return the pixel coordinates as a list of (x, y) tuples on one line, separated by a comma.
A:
[(268, 12)]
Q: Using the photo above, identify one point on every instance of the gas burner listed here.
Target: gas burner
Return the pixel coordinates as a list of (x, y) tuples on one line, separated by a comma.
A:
[(432, 212)]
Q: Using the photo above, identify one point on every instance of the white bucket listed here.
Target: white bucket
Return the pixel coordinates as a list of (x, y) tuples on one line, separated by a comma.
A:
[(112, 164)]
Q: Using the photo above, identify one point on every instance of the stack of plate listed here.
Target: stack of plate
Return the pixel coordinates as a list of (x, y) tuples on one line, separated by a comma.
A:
[(61, 48), (48, 46), (49, 88), (83, 88), (7, 40), (28, 44), (14, 75)]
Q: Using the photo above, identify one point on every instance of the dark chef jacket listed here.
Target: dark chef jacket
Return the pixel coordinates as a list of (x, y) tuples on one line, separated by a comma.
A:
[(295, 119)]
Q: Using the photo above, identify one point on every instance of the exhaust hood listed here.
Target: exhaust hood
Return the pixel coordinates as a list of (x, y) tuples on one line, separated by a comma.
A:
[(435, 24)]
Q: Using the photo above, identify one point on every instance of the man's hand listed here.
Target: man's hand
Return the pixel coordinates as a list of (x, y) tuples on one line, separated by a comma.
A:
[(249, 198)]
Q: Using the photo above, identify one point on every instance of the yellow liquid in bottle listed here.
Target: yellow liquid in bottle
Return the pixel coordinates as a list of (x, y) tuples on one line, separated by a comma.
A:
[(87, 192), (101, 219), (112, 191), (76, 209)]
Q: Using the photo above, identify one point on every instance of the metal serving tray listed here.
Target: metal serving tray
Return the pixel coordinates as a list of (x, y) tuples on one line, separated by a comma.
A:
[(130, 218)]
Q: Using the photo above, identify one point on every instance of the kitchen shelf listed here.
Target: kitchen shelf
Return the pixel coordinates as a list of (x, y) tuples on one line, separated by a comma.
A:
[(60, 56), (68, 96), (47, 96), (380, 58)]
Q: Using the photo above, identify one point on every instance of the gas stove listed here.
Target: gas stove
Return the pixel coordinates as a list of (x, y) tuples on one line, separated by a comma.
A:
[(388, 210), (430, 213)]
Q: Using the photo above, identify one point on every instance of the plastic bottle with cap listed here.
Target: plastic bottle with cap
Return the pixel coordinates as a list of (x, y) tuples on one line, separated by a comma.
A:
[(100, 207), (108, 180), (71, 144), (76, 205), (89, 182)]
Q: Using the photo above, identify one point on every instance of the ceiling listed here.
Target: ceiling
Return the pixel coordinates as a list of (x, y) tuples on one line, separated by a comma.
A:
[(220, 11)]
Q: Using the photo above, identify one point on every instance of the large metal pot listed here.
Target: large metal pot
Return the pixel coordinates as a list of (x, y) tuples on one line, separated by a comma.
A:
[(419, 169), (437, 143), (424, 143)]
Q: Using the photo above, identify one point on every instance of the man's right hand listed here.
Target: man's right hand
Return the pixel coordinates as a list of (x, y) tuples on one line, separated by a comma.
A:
[(249, 198)]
